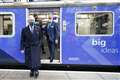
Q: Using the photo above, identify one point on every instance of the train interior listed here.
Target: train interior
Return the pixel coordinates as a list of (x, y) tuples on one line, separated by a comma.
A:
[(44, 15), (99, 23), (6, 24)]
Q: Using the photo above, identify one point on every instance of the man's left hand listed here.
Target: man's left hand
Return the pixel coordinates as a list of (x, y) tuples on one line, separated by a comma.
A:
[(56, 41)]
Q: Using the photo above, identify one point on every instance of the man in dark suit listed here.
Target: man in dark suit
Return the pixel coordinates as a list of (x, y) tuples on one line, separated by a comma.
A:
[(30, 45), (39, 22), (52, 35)]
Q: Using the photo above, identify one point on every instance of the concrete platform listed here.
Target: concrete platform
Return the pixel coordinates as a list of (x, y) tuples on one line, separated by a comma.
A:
[(58, 75)]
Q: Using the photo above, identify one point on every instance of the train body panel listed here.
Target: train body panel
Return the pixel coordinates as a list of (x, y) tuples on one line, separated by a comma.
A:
[(90, 48), (10, 45)]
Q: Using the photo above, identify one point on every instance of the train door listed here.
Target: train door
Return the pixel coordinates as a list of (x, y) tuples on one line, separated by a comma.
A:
[(90, 35), (44, 15)]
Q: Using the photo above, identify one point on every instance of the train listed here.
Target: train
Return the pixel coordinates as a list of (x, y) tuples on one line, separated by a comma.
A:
[(89, 31)]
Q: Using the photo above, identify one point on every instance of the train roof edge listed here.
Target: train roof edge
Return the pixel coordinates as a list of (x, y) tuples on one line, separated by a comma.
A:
[(60, 3)]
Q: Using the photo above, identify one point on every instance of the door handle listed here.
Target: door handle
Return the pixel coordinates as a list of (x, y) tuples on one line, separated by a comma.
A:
[(64, 25)]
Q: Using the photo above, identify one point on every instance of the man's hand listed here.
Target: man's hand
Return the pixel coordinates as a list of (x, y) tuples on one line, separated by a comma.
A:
[(22, 51), (56, 41)]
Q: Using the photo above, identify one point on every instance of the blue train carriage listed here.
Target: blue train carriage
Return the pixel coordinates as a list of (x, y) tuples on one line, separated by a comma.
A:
[(89, 34)]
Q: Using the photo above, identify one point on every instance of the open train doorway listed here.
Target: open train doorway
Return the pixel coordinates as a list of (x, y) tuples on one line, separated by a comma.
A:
[(45, 16)]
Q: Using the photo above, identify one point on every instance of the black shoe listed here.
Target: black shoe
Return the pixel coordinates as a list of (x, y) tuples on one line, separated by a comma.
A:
[(31, 74), (51, 60), (36, 74)]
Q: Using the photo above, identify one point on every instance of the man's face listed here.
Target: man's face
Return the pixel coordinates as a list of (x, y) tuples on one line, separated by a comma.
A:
[(31, 20), (56, 20)]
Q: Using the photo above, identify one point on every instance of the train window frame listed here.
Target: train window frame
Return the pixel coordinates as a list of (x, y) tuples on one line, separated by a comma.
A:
[(13, 25), (113, 24)]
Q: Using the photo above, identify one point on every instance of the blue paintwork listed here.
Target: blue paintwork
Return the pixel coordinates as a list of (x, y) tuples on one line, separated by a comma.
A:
[(79, 50), (11, 45)]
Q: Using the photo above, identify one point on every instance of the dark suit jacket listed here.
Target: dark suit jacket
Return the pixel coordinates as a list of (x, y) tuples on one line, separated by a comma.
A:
[(31, 43), (52, 31)]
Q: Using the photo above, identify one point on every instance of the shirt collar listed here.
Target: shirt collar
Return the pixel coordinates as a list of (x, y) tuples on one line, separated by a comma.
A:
[(30, 27)]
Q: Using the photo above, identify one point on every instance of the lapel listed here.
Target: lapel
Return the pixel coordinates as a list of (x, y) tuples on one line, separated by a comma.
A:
[(36, 30), (28, 29)]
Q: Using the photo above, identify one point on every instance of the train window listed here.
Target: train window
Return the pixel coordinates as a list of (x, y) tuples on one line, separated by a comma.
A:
[(6, 24), (94, 23)]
